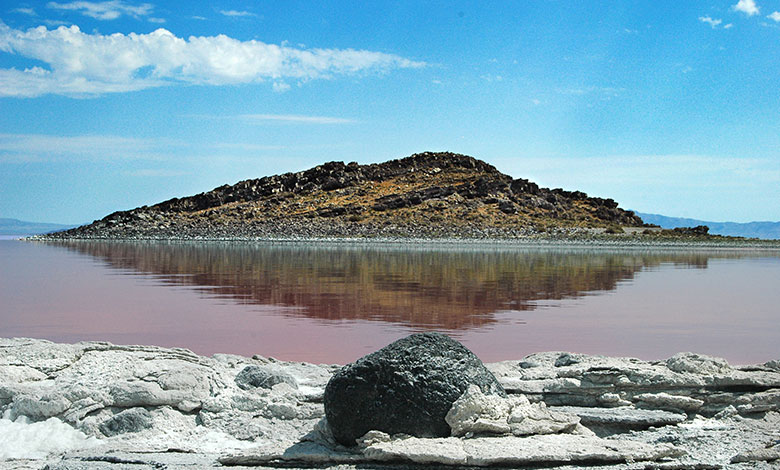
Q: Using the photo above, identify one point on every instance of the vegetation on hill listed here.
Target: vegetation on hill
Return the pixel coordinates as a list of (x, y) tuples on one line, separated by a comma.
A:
[(427, 194)]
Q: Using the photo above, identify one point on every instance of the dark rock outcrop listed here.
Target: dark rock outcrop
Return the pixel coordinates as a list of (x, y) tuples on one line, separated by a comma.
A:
[(430, 194), (406, 387)]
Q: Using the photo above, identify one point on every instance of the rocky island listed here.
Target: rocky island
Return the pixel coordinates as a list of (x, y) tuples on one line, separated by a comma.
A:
[(96, 405), (426, 195)]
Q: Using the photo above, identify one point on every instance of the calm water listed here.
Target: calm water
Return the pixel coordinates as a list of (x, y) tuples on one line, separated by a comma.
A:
[(335, 303)]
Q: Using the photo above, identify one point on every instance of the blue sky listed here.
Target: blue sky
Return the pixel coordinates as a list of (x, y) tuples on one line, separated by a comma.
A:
[(666, 106)]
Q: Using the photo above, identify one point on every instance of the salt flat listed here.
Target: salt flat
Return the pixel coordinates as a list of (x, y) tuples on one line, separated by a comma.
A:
[(103, 406)]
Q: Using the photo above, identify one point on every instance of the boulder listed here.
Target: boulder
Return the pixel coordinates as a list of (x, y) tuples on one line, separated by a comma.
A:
[(252, 377), (132, 420), (406, 387)]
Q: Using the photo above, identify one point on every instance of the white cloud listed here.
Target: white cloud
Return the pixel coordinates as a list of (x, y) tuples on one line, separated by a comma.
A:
[(80, 63), (728, 26), (775, 16), (109, 10), (236, 13), (710, 21), (747, 7), (24, 11)]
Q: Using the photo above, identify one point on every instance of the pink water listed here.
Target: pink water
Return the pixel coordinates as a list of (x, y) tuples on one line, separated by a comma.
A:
[(333, 304)]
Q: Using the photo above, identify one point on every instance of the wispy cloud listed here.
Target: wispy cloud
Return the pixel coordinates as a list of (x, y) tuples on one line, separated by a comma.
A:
[(151, 172), (714, 22), (490, 78), (294, 118), (280, 118), (774, 16), (25, 148), (236, 13), (281, 87), (747, 7), (673, 183), (84, 64), (24, 11), (42, 147), (604, 92), (109, 10)]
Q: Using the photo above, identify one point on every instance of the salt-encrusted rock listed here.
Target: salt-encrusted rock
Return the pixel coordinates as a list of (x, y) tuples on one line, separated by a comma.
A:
[(477, 413), (677, 384), (759, 402), (406, 387), (769, 453), (452, 451), (624, 418), (19, 373), (697, 363), (516, 451), (535, 418), (253, 376), (666, 401), (40, 407), (132, 420)]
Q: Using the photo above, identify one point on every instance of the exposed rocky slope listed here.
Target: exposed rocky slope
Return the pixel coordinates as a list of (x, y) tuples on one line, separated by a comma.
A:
[(424, 195), (145, 407)]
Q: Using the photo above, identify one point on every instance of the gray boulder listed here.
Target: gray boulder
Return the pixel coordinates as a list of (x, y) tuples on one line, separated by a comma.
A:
[(263, 377), (132, 420), (406, 387)]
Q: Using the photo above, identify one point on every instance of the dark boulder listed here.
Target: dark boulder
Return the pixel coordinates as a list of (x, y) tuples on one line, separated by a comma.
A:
[(406, 387)]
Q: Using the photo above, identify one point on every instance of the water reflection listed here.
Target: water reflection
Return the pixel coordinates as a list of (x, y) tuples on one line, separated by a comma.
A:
[(421, 287)]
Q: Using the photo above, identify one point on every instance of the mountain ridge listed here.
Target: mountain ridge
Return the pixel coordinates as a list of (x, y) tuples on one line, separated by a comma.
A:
[(757, 229), (429, 194), (9, 226)]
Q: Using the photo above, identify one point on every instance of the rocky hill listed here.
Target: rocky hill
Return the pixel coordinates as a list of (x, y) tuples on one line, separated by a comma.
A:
[(426, 195)]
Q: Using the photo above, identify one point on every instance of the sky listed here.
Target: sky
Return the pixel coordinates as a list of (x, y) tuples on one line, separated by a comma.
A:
[(667, 107)]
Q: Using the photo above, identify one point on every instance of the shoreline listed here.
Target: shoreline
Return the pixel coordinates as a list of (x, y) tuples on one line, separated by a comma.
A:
[(154, 406), (595, 242)]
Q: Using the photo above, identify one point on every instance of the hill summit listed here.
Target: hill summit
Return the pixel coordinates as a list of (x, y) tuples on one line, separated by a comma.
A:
[(430, 194)]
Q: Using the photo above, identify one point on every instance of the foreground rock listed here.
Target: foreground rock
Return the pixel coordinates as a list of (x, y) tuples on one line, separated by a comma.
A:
[(406, 387), (146, 408)]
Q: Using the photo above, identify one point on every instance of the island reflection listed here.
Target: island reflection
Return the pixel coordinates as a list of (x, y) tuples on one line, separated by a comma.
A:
[(422, 287)]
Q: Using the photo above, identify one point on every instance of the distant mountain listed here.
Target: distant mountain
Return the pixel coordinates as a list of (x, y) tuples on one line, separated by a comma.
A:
[(765, 230), (427, 194), (21, 227)]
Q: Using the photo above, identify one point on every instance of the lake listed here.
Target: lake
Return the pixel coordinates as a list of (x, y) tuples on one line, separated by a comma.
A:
[(332, 303)]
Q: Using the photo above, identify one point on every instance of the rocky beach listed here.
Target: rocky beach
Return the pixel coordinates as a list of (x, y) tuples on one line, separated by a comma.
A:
[(95, 405)]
